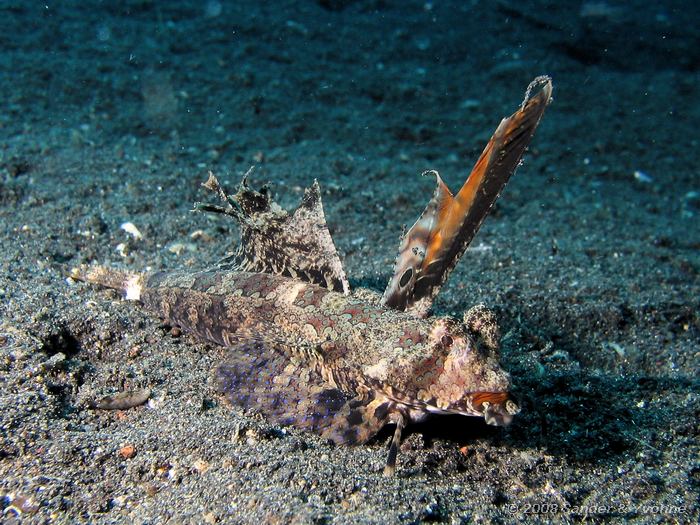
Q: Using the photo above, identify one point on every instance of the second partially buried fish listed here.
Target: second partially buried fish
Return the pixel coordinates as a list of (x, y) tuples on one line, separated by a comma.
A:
[(307, 352)]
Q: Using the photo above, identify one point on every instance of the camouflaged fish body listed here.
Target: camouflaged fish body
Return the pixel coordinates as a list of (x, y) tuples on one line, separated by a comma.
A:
[(306, 352)]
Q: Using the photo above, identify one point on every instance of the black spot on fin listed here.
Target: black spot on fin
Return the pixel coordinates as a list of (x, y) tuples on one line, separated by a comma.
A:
[(273, 241), (434, 244)]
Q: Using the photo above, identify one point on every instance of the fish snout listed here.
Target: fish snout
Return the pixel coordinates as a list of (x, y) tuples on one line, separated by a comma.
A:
[(498, 408)]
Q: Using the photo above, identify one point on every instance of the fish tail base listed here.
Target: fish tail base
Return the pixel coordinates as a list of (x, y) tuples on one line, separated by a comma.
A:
[(130, 284)]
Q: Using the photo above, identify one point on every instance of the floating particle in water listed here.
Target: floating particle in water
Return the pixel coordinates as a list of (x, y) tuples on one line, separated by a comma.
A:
[(643, 177)]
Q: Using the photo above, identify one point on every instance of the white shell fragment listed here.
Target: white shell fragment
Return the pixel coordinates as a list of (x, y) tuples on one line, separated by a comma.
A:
[(132, 230)]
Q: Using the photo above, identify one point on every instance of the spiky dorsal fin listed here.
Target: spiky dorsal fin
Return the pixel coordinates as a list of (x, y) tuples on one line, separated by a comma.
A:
[(273, 241), (432, 247)]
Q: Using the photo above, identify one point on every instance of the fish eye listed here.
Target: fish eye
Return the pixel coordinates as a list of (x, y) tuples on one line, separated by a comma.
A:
[(446, 341)]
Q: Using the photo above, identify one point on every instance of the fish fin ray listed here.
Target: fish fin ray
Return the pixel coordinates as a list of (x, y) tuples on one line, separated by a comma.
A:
[(359, 419), (453, 224), (297, 245), (414, 246), (285, 392)]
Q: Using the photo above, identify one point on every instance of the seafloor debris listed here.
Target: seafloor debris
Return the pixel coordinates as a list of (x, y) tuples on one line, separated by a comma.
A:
[(122, 400), (131, 229)]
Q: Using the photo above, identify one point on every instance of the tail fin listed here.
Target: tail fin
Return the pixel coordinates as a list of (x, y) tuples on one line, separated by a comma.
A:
[(130, 284)]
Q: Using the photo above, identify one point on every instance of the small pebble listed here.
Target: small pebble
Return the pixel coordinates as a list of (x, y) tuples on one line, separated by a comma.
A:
[(123, 400), (210, 518), (200, 235), (643, 177), (200, 466), (127, 451), (132, 230)]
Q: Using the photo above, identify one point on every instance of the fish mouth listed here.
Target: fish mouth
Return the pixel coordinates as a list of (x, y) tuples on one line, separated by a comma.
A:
[(498, 408)]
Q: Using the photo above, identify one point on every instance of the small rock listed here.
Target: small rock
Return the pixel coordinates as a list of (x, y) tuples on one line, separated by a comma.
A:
[(643, 177), (127, 451), (20, 505), (200, 466), (200, 235), (178, 248), (132, 230)]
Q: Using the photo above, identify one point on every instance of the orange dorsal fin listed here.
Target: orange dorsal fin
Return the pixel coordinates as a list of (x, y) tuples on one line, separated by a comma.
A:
[(432, 247)]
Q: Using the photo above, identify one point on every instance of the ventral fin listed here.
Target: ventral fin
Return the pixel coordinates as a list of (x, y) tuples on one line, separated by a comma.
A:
[(359, 419), (288, 393), (432, 247), (296, 245)]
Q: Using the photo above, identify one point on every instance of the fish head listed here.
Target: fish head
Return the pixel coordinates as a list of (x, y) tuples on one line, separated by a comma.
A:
[(470, 380)]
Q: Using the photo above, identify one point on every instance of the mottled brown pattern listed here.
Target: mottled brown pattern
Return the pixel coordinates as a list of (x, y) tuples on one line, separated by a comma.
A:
[(328, 362), (255, 285), (351, 347), (311, 296), (206, 281), (359, 420), (305, 352), (361, 314), (409, 338), (482, 323), (273, 241)]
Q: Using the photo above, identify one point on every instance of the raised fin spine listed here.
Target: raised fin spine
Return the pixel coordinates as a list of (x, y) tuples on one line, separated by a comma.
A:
[(433, 246), (414, 243), (273, 241)]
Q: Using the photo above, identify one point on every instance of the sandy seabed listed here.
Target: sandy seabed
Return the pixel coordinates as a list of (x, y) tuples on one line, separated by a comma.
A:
[(115, 112)]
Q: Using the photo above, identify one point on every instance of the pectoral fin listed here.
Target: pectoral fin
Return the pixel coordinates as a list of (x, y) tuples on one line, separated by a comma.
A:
[(359, 419), (432, 247), (286, 392)]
